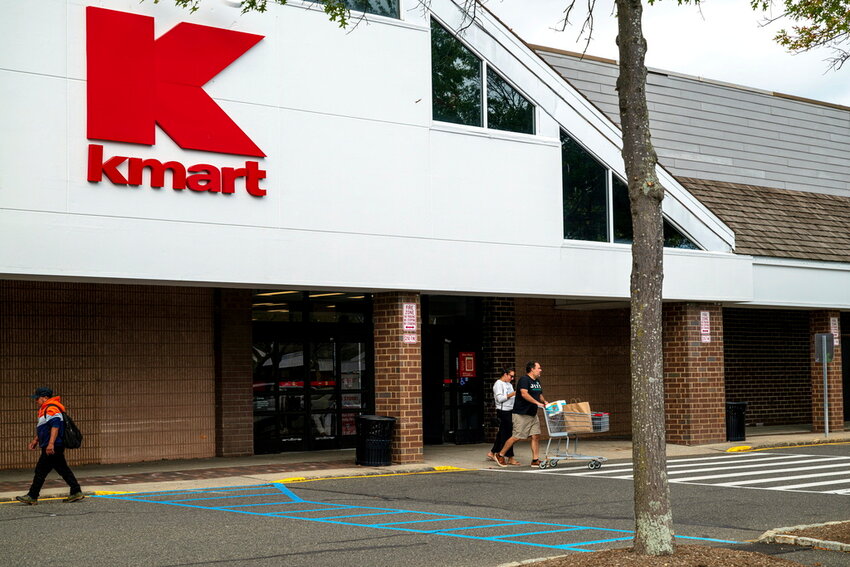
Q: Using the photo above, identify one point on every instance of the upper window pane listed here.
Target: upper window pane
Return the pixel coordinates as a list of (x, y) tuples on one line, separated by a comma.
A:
[(506, 108), (673, 238), (622, 213), (585, 193), (387, 8), (456, 79)]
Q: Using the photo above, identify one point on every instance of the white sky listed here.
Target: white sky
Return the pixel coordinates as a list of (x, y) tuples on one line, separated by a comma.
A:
[(720, 40)]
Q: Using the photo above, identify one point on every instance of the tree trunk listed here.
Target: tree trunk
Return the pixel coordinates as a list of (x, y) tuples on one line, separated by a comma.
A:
[(653, 516)]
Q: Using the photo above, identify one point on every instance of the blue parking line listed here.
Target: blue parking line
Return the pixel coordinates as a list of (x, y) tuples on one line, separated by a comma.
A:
[(492, 526), (283, 488), (400, 526), (440, 519), (333, 507), (225, 497), (540, 533), (361, 515)]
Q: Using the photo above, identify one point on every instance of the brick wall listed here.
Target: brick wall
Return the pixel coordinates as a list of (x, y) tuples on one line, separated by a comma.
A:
[(498, 349), (134, 364), (819, 322), (767, 364), (584, 355), (234, 374), (398, 374), (694, 398)]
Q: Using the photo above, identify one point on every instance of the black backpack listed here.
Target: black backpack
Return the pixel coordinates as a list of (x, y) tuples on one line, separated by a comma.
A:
[(72, 437)]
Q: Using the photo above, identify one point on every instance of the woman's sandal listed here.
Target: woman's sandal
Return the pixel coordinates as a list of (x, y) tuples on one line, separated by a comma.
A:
[(514, 462)]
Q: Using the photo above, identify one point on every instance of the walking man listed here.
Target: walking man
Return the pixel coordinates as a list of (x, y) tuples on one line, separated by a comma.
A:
[(524, 419), (48, 436)]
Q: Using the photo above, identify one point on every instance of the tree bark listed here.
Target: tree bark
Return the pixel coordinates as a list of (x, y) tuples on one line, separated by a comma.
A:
[(653, 515)]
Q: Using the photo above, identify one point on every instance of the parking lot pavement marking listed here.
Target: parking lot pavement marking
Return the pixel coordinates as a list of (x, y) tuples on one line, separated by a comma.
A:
[(349, 515), (767, 471)]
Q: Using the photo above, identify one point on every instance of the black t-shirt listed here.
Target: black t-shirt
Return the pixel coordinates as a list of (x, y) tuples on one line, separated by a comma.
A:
[(523, 406)]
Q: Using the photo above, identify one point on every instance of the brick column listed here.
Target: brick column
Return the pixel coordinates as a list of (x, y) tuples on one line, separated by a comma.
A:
[(694, 392), (398, 374), (820, 322), (498, 350), (234, 411)]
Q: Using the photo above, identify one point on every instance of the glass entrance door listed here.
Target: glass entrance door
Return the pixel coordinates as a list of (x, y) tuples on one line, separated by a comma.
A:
[(307, 396), (312, 369)]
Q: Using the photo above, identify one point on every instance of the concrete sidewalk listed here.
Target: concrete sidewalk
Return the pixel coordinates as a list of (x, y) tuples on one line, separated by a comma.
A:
[(200, 473)]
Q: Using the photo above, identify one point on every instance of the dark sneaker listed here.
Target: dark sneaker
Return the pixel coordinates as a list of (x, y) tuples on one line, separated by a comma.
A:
[(74, 497), (27, 499), (500, 460), (535, 464)]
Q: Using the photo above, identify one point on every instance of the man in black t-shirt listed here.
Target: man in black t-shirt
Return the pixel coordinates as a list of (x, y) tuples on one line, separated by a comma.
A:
[(525, 423)]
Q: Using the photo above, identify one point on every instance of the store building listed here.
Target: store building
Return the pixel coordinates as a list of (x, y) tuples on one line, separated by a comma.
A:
[(232, 234)]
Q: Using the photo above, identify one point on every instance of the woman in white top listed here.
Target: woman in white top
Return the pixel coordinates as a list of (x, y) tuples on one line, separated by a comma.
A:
[(503, 394)]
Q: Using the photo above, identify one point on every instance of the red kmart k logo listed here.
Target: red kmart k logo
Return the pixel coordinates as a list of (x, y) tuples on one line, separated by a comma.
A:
[(136, 81)]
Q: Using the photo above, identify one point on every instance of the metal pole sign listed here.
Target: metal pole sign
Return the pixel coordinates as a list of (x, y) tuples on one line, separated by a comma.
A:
[(824, 353)]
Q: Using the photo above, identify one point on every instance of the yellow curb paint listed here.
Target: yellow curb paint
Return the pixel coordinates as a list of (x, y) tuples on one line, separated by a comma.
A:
[(795, 446), (111, 492), (40, 500), (738, 449), (291, 479), (437, 470)]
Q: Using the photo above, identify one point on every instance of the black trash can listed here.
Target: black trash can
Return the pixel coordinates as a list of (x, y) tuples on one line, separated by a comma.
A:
[(736, 419), (374, 434)]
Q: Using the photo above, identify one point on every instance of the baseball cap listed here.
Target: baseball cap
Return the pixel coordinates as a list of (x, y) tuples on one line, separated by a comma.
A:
[(39, 392)]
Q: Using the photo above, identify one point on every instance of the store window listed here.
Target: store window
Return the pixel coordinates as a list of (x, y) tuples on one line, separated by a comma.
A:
[(595, 201), (458, 81), (387, 8), (507, 109)]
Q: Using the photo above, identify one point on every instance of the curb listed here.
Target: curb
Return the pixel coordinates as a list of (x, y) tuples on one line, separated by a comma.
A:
[(785, 535), (340, 474)]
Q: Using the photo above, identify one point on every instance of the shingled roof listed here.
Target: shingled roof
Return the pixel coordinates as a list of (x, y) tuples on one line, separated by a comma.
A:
[(779, 222)]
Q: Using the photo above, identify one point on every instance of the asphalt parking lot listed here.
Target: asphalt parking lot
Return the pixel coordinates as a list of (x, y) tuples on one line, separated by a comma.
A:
[(479, 517)]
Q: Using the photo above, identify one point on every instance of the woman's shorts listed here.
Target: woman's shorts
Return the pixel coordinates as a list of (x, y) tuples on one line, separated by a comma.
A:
[(524, 426)]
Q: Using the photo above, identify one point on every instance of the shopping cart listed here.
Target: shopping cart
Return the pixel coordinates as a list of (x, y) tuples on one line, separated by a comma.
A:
[(563, 424)]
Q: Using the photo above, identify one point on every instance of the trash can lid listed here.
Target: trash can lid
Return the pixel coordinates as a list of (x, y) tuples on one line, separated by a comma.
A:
[(376, 418)]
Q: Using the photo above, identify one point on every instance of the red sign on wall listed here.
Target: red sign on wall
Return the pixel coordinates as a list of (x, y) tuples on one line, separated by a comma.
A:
[(135, 82), (466, 365)]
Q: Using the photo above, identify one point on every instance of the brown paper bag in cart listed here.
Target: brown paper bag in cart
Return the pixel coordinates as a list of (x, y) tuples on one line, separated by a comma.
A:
[(577, 417)]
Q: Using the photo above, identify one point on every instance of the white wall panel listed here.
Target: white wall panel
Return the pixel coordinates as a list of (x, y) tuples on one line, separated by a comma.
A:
[(343, 174), (793, 283), (488, 188), (374, 71), (34, 134), (32, 37), (110, 248)]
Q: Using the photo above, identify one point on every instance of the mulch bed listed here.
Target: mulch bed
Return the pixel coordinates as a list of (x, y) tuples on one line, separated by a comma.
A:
[(685, 556)]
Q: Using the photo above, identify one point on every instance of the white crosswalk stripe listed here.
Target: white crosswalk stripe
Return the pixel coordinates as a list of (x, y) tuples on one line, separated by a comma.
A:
[(760, 471)]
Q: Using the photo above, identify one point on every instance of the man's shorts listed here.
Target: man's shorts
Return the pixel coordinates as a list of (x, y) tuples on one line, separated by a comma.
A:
[(524, 426)]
